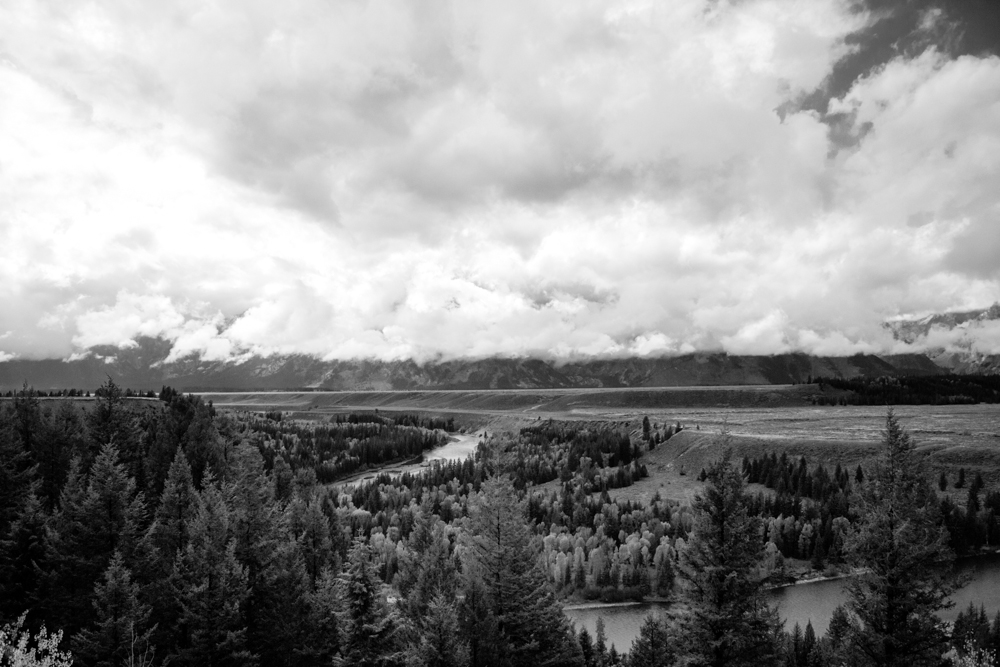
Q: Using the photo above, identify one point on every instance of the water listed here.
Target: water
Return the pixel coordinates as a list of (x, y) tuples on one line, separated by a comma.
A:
[(804, 603), (460, 447)]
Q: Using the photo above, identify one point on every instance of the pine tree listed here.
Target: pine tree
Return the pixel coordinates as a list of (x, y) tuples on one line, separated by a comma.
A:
[(441, 642), (62, 437), (531, 626), (314, 543), (587, 647), (371, 632), (479, 624), (15, 472), (900, 549), (112, 422), (114, 510), (210, 586), (27, 412), (256, 522), (95, 518), (23, 559), (428, 569), (321, 629), (178, 506), (120, 630), (730, 620), (600, 643), (283, 480), (655, 645)]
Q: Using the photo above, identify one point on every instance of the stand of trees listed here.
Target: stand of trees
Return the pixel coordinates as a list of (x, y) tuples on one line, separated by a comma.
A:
[(156, 532), (913, 390)]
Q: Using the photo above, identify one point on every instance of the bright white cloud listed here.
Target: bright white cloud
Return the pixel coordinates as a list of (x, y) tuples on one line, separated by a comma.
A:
[(452, 179)]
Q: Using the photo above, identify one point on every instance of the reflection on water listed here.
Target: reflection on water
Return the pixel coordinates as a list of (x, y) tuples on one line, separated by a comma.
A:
[(802, 604)]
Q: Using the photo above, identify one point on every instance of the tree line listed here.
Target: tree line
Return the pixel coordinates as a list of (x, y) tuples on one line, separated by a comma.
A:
[(911, 390)]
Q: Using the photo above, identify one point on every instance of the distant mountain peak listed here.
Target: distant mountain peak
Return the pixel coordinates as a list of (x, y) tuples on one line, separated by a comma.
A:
[(960, 352)]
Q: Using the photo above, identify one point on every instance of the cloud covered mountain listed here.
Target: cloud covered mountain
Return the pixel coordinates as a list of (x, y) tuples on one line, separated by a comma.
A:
[(146, 366), (962, 341)]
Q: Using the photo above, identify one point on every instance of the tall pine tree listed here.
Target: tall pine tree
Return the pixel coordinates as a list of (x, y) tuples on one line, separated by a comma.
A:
[(120, 632), (211, 588), (730, 622), (899, 546), (532, 629)]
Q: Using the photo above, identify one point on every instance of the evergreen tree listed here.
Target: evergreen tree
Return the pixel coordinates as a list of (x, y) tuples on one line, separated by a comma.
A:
[(321, 634), (67, 582), (168, 538), (16, 474), (479, 624), (114, 510), (532, 627), (315, 545), (441, 642), (27, 413), (900, 549), (283, 480), (586, 647), (178, 506), (111, 422), (600, 643), (162, 444), (95, 519), (62, 437), (655, 645), (371, 632), (428, 569), (23, 559), (210, 586), (120, 631), (256, 525), (730, 621)]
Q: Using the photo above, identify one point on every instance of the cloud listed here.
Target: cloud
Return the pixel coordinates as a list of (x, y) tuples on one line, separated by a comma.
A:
[(442, 179)]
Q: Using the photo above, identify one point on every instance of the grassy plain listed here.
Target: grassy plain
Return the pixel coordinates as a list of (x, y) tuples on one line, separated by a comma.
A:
[(758, 419)]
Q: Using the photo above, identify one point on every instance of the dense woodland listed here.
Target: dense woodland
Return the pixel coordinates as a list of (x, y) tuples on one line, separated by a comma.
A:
[(155, 532), (911, 390)]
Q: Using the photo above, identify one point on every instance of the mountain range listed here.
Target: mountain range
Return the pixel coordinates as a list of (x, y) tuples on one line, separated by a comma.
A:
[(961, 356), (144, 366)]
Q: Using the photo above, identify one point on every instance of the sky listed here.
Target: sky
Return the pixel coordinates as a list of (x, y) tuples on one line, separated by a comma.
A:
[(435, 180)]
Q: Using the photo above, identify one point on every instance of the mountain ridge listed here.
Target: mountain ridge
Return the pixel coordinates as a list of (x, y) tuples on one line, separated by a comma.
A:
[(144, 366), (961, 355)]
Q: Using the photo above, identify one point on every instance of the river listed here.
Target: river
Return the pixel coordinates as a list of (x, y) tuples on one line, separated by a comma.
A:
[(800, 604), (459, 446)]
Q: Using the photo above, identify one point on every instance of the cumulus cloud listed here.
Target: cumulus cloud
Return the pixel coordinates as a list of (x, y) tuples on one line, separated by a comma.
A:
[(444, 179)]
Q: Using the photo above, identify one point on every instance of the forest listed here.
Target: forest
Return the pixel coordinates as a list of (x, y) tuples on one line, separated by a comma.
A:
[(154, 532), (954, 389)]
